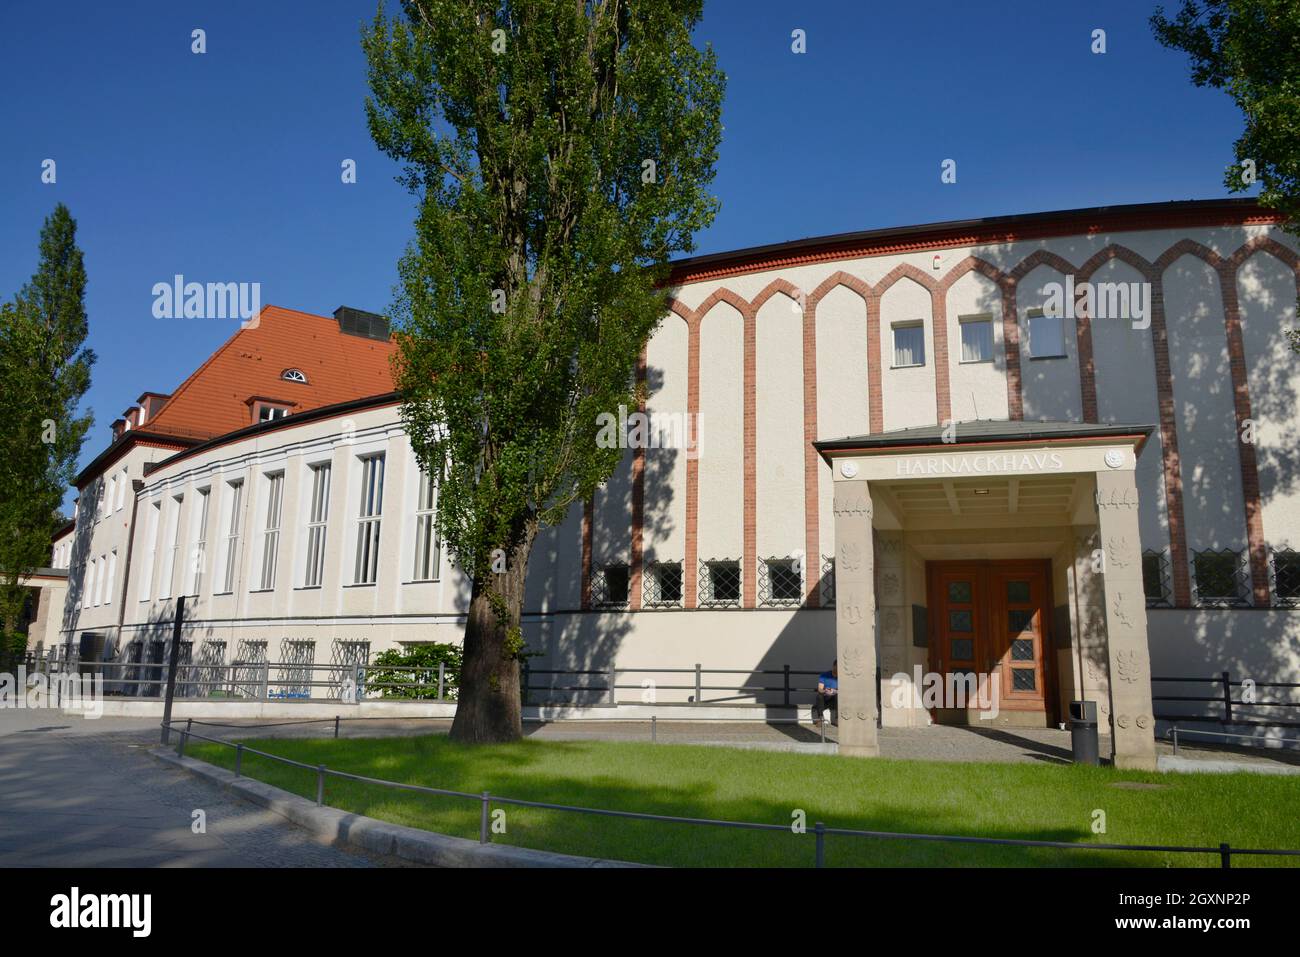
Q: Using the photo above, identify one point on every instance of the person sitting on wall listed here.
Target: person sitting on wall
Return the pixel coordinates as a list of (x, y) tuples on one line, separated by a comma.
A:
[(828, 689)]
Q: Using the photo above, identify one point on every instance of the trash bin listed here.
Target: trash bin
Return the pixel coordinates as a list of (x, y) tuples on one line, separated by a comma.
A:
[(1083, 732)]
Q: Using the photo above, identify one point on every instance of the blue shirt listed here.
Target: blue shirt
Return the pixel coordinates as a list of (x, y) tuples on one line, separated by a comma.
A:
[(829, 680)]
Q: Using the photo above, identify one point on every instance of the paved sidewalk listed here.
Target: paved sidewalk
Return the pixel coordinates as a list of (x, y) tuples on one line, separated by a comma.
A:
[(79, 793)]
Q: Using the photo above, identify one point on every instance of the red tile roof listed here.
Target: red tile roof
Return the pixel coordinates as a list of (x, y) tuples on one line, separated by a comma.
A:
[(339, 368)]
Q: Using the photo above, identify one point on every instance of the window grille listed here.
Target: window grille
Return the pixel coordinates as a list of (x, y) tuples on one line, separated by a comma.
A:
[(720, 583), (780, 582), (661, 585)]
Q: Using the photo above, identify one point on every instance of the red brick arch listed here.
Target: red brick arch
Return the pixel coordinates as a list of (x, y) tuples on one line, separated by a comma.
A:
[(1010, 326)]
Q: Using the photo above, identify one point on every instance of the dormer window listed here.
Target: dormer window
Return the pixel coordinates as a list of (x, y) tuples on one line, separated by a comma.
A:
[(263, 408), (294, 375)]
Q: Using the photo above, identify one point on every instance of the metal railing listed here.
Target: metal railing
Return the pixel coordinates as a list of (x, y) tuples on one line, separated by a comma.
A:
[(259, 681), (819, 830), (1231, 710), (603, 686)]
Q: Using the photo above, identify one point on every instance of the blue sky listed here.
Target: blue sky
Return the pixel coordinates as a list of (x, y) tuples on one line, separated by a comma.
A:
[(225, 166)]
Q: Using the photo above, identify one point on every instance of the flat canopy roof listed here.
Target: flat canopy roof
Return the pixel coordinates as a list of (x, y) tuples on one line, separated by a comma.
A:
[(981, 432)]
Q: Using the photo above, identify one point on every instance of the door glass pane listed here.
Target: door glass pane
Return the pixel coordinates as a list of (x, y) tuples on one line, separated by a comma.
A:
[(1022, 649), (959, 621), (963, 649), (1017, 591), (1022, 679), (959, 592), (1020, 620)]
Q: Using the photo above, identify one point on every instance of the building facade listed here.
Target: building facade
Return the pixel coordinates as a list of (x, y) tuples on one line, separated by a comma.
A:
[(301, 523)]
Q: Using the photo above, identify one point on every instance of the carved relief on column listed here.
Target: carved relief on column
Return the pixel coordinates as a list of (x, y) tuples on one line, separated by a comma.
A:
[(855, 639), (1090, 649), (891, 595), (1129, 662)]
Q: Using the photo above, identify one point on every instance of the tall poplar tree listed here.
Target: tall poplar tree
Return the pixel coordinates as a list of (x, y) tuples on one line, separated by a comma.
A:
[(44, 372), (561, 152)]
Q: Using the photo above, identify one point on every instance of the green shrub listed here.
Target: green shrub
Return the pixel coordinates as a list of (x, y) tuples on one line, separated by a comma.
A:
[(423, 657)]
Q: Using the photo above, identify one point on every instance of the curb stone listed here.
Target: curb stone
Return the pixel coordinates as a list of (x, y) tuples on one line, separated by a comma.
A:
[(332, 825)]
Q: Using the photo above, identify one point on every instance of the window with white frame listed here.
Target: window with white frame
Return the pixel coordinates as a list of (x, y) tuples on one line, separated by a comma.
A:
[(151, 545), (368, 520), (317, 520), (428, 550), (101, 586), (107, 489), (122, 482), (89, 597), (976, 338), (235, 495), (198, 554), (909, 344), (111, 577), (1046, 335), (173, 547), (271, 533)]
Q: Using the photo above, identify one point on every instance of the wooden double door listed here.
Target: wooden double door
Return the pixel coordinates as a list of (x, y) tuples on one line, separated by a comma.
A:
[(993, 617)]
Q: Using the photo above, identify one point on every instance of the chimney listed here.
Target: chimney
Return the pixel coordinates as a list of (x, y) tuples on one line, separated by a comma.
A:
[(118, 428)]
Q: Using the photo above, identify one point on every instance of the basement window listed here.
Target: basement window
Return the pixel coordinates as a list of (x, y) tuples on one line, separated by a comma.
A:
[(662, 585), (720, 583)]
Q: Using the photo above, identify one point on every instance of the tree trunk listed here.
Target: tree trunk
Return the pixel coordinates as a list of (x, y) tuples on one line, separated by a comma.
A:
[(488, 707)]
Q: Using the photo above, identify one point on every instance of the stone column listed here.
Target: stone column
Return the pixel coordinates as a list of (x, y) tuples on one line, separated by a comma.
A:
[(855, 639), (1129, 663)]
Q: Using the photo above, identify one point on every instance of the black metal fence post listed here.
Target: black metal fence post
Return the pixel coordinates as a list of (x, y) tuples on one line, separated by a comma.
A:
[(320, 785), (612, 682), (1227, 699), (820, 828), (699, 684), (173, 658), (483, 834), (1225, 856), (239, 758), (336, 726), (786, 687)]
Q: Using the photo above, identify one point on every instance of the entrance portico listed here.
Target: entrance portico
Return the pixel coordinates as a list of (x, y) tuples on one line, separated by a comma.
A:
[(1006, 553)]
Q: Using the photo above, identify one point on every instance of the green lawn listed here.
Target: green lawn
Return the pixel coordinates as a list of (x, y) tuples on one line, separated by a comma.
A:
[(1033, 801)]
